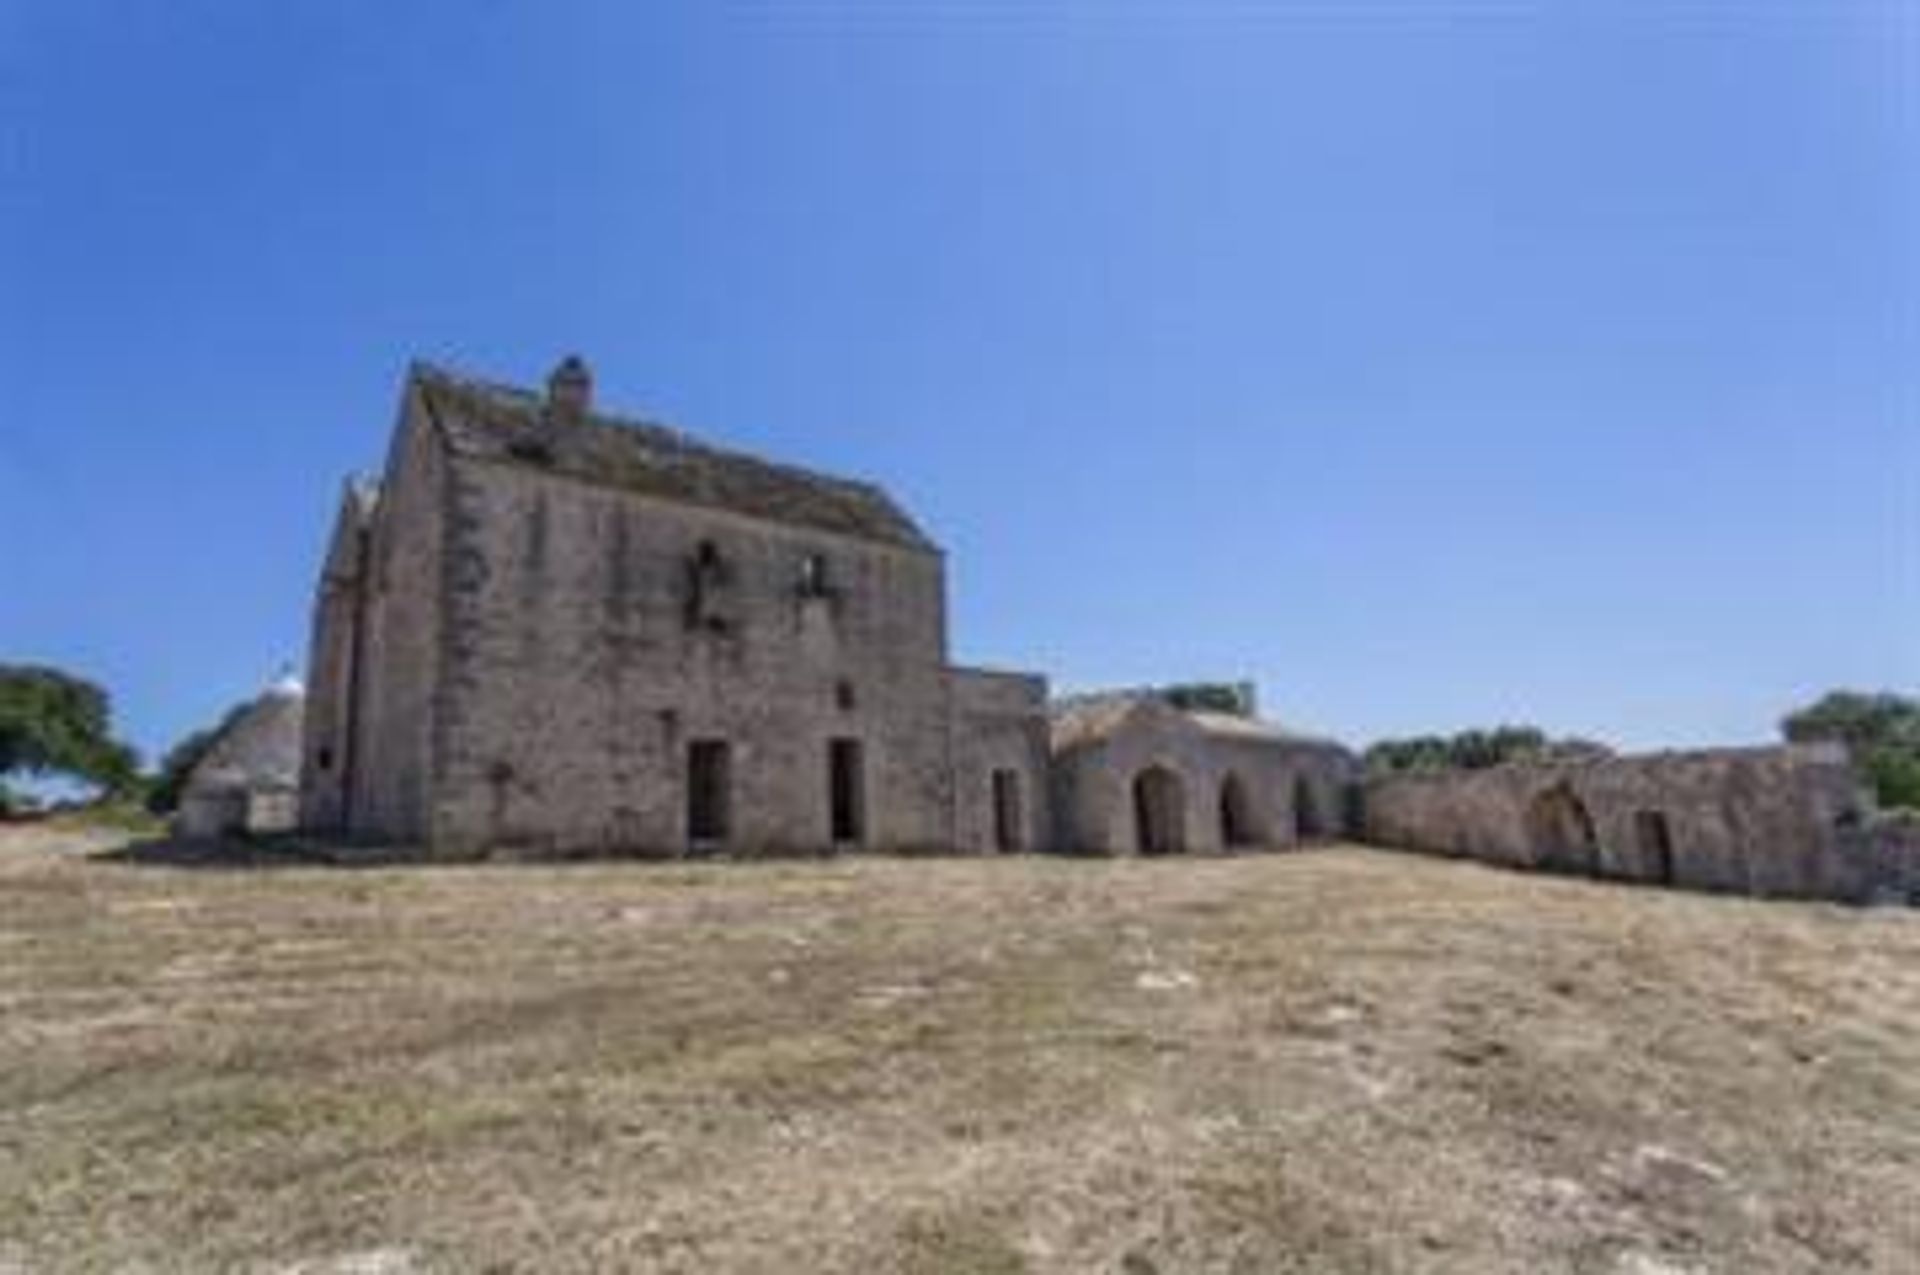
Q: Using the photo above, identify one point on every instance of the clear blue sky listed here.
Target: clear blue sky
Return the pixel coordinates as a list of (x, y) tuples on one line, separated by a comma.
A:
[(1434, 365)]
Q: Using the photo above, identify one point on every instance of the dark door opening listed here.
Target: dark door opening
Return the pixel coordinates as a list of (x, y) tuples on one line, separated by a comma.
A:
[(1307, 823), (1006, 812), (846, 790), (1159, 812), (1236, 815), (1655, 837), (708, 779)]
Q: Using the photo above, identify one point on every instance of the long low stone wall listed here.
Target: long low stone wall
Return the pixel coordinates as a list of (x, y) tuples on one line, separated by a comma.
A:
[(1792, 821)]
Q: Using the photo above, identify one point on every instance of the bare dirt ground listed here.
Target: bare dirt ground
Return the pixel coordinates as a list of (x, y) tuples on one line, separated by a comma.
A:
[(1340, 1060)]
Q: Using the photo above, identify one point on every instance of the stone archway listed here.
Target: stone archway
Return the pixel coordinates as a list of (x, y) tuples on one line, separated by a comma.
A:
[(1560, 832), (1159, 811), (1238, 827)]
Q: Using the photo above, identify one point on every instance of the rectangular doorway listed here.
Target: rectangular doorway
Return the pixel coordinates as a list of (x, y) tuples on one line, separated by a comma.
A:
[(1006, 812), (846, 791), (1655, 837), (709, 777)]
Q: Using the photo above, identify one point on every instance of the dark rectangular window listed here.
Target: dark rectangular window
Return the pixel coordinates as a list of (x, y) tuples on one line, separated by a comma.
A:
[(1006, 811), (846, 790), (708, 779)]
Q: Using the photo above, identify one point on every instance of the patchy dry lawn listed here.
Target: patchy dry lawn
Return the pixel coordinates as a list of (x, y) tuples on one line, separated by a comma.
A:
[(1335, 1061)]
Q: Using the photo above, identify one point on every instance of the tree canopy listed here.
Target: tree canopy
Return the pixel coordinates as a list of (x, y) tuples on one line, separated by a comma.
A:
[(1236, 699), (1881, 731), (1476, 750), (53, 723)]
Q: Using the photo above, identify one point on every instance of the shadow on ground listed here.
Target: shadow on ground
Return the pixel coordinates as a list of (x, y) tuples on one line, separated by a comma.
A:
[(230, 853)]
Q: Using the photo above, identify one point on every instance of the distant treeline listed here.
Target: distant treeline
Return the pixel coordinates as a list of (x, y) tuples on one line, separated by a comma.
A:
[(1881, 731), (1477, 750)]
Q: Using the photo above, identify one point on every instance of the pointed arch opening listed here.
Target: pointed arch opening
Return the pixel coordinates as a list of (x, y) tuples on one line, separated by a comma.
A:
[(1560, 832)]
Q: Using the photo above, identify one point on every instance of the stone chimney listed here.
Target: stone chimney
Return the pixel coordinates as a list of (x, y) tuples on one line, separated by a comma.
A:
[(570, 390)]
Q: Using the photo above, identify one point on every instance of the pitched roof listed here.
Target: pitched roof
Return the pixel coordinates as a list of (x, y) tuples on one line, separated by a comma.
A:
[(1099, 715), (503, 423), (258, 746), (1084, 719)]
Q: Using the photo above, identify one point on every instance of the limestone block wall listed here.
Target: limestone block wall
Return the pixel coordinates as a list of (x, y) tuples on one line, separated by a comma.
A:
[(594, 634), (998, 723), (326, 746), (1764, 821), (1889, 845), (392, 727)]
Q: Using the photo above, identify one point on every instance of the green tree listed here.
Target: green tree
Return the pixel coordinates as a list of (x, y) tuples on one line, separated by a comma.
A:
[(1477, 750), (1881, 731), (1418, 752), (1234, 698), (53, 723)]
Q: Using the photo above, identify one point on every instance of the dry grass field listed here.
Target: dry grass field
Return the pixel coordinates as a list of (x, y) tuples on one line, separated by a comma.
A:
[(1332, 1061)]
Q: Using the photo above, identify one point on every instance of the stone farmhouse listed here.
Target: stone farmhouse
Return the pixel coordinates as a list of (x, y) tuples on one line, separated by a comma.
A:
[(546, 630)]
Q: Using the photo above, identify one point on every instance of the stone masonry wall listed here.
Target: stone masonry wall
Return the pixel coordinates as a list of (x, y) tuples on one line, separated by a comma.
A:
[(1094, 786), (1764, 821), (999, 723), (325, 753), (393, 722), (593, 633)]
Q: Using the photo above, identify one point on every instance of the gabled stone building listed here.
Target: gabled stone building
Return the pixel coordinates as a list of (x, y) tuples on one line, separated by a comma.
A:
[(546, 630)]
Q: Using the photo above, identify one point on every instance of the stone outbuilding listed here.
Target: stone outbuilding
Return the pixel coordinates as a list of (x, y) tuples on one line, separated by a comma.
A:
[(1786, 821), (248, 782), (1133, 774)]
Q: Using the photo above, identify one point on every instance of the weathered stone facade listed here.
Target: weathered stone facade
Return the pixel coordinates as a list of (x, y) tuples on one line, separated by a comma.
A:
[(553, 632), (1132, 774), (546, 631), (1791, 821)]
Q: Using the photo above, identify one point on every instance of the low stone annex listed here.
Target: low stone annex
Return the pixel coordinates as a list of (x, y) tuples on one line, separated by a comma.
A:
[(1133, 774), (1793, 821)]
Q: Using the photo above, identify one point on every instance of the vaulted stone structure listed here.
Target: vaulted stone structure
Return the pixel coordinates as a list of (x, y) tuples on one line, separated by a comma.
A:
[(1134, 774), (1791, 821)]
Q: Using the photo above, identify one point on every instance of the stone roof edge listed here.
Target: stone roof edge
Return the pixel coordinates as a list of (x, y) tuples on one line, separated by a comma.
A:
[(423, 372)]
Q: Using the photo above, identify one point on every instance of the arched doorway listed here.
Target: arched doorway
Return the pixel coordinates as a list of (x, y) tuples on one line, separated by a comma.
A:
[(1308, 825), (1236, 814), (1560, 833), (1159, 812)]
